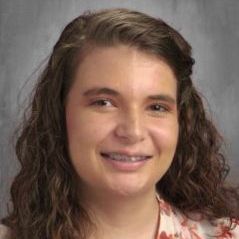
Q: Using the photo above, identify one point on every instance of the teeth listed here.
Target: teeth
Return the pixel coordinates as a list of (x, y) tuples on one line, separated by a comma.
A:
[(120, 157)]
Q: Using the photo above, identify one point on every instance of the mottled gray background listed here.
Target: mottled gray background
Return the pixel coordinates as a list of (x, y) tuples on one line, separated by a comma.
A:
[(29, 28)]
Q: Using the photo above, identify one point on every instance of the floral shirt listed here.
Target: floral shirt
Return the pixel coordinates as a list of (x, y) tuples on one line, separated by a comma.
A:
[(174, 225)]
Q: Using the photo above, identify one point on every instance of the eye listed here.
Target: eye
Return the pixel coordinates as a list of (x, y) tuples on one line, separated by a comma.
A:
[(159, 108), (102, 102)]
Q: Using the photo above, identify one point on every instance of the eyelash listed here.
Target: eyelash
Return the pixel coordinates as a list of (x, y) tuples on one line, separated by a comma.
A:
[(98, 104)]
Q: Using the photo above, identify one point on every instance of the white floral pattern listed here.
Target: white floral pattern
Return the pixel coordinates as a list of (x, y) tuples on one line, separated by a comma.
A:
[(174, 225)]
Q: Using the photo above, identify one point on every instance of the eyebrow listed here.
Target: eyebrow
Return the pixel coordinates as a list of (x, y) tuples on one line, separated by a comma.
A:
[(108, 91)]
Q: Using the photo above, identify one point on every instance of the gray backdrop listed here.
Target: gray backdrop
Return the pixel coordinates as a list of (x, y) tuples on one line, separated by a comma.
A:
[(29, 28)]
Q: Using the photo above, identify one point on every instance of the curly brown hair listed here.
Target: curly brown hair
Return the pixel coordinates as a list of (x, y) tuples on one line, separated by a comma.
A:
[(44, 193)]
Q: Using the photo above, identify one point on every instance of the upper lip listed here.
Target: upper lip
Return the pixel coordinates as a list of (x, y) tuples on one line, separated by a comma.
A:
[(129, 154)]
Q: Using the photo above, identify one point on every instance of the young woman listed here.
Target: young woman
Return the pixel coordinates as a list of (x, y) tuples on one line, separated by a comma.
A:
[(117, 143)]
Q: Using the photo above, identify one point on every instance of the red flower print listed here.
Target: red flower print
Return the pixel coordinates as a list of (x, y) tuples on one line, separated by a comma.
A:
[(163, 235), (165, 208)]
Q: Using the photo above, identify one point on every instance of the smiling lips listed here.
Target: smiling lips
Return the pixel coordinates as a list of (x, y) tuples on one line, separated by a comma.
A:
[(125, 158), (125, 162)]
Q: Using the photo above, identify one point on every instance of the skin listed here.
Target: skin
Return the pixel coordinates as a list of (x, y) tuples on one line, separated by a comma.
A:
[(127, 121)]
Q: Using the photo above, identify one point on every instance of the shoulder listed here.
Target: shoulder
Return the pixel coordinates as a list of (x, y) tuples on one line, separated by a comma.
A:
[(175, 224), (4, 232), (221, 228)]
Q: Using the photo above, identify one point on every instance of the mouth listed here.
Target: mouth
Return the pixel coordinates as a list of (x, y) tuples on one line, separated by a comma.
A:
[(125, 158)]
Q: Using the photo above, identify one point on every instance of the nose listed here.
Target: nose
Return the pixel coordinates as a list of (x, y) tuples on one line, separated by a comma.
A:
[(130, 128)]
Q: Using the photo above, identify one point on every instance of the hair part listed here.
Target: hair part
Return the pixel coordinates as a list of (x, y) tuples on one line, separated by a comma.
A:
[(45, 194)]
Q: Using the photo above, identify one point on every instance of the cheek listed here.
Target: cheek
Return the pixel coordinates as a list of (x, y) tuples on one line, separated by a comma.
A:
[(85, 129), (165, 136)]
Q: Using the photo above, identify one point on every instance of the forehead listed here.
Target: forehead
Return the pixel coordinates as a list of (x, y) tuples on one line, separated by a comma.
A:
[(126, 70)]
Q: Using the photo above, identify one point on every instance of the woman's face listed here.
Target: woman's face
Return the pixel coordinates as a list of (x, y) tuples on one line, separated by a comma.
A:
[(121, 119)]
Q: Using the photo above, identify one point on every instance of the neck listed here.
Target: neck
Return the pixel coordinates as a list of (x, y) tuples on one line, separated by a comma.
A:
[(123, 216)]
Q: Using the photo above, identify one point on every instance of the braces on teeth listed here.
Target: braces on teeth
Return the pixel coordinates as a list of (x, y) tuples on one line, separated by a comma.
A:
[(126, 158)]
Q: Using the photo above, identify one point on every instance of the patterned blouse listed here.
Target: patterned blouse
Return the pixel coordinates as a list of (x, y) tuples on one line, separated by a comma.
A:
[(174, 225)]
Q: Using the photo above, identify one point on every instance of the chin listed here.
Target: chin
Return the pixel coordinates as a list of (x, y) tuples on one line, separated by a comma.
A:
[(127, 187)]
